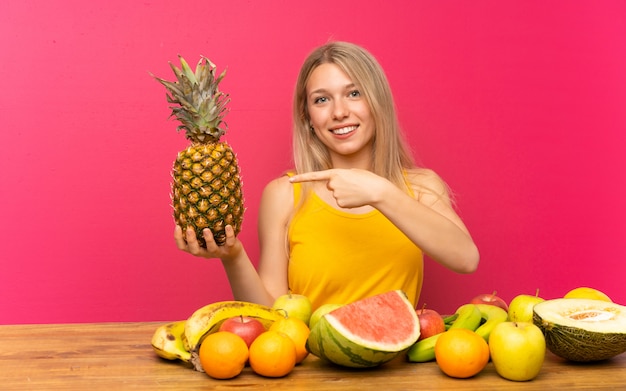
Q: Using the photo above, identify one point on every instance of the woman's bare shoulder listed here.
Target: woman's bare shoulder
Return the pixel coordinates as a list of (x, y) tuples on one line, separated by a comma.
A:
[(425, 181), (279, 191), (276, 203), (423, 176), (279, 184)]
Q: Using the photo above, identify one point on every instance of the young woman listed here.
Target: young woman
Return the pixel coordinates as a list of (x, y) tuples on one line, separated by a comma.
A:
[(356, 215)]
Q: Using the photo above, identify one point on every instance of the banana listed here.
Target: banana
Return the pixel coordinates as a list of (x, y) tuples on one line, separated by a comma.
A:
[(449, 319), (208, 319), (168, 341), (492, 316), (423, 350), (469, 317)]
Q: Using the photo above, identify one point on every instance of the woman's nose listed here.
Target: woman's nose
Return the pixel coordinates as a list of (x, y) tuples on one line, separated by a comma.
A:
[(340, 110)]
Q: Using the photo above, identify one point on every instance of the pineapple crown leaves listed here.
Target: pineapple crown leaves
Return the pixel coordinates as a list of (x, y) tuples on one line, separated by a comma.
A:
[(196, 100)]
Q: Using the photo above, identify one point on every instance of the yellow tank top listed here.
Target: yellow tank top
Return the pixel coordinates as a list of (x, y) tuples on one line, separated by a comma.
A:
[(339, 257)]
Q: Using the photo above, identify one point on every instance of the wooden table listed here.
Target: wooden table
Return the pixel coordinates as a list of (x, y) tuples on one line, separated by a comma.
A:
[(118, 356)]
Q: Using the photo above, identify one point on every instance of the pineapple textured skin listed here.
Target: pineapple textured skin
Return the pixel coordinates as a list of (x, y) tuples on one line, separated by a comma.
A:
[(206, 190)]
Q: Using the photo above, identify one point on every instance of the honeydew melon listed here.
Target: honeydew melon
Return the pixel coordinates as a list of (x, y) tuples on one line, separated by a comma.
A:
[(582, 330), (366, 333)]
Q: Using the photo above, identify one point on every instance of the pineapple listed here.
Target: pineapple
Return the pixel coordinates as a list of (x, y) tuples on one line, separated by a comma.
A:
[(206, 185)]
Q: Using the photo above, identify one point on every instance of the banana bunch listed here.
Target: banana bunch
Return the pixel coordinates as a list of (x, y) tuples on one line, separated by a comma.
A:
[(481, 318), (181, 340)]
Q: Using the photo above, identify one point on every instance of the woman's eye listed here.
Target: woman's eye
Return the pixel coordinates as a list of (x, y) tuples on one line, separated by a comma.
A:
[(320, 99), (355, 93)]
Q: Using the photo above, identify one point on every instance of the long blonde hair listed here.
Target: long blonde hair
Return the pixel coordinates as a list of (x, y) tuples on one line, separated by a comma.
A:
[(391, 156)]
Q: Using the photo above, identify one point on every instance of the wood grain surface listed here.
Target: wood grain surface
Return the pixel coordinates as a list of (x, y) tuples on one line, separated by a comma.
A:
[(118, 356)]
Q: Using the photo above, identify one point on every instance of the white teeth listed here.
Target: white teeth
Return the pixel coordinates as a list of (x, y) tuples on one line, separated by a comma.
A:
[(345, 130)]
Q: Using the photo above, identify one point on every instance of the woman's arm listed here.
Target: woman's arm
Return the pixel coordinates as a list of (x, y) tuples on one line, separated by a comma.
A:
[(246, 283), (430, 221), (275, 212)]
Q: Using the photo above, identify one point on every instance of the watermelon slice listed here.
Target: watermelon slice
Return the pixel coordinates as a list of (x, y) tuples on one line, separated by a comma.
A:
[(366, 333)]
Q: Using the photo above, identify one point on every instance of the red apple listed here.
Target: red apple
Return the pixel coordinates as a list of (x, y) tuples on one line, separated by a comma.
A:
[(491, 299), (431, 322), (245, 327)]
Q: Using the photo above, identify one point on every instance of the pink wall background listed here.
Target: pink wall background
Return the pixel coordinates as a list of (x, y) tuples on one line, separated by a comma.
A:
[(518, 105)]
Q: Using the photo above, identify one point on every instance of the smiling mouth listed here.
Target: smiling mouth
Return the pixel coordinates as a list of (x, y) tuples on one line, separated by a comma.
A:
[(344, 130)]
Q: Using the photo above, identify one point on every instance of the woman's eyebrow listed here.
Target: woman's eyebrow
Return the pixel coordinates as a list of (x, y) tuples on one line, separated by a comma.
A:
[(324, 90)]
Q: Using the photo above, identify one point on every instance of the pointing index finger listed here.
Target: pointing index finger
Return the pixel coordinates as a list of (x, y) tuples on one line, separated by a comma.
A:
[(310, 176)]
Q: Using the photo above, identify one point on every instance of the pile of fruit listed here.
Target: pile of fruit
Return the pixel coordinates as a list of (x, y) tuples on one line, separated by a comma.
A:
[(222, 338), (463, 343), (583, 326)]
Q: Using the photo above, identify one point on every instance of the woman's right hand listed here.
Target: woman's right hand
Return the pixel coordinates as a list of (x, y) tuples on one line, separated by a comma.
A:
[(187, 241)]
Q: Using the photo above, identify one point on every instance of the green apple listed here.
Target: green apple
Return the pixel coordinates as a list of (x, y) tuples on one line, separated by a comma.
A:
[(321, 311), (517, 350), (294, 306), (521, 307)]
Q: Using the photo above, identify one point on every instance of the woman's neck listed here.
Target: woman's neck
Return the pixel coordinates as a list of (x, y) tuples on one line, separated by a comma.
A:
[(361, 160)]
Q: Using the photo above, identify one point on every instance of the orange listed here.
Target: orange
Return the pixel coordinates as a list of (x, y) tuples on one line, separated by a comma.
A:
[(461, 353), (272, 354), (223, 355), (298, 331)]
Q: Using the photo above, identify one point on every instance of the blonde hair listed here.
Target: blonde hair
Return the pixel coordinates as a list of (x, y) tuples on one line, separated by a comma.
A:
[(391, 156)]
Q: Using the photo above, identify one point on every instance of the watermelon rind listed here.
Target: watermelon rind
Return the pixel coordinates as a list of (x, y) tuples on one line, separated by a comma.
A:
[(331, 341)]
